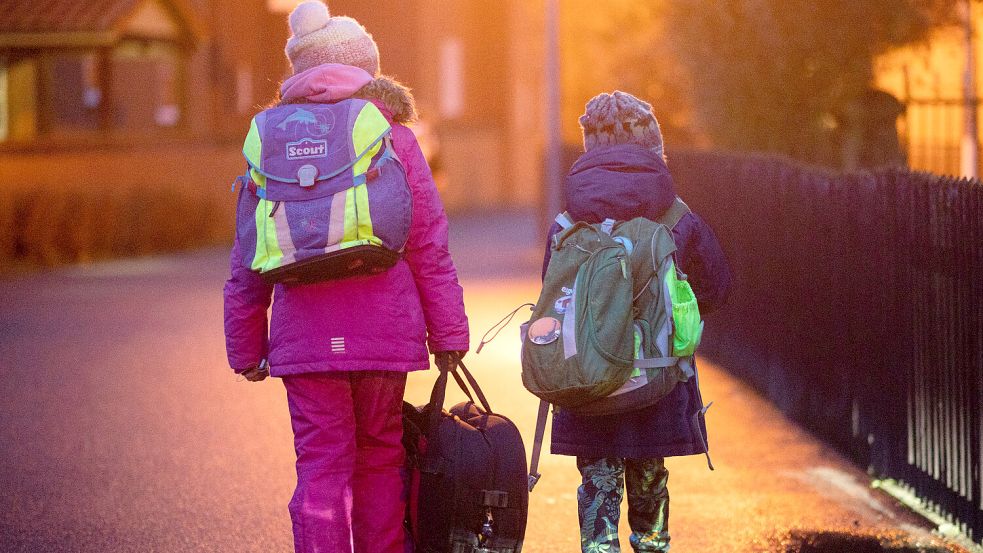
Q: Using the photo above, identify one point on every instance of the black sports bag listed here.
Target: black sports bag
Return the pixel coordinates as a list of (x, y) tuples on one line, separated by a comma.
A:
[(467, 470)]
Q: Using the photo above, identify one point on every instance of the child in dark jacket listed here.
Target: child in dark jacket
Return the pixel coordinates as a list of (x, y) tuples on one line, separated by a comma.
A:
[(623, 175)]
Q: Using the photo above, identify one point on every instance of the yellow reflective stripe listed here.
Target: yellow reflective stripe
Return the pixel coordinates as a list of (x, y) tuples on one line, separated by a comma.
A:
[(369, 126), (259, 179), (268, 253), (364, 217), (351, 217), (252, 148)]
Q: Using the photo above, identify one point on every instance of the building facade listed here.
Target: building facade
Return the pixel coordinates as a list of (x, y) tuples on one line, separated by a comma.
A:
[(476, 69), (154, 83), (929, 79)]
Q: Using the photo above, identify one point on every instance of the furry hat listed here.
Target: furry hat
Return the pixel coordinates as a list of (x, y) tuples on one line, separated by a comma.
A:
[(318, 38), (620, 118)]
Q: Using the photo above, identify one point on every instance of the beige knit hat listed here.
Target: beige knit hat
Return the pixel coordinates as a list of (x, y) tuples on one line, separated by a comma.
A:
[(318, 38), (620, 118)]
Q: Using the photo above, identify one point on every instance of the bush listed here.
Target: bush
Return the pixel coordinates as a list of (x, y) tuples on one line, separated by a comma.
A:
[(56, 226)]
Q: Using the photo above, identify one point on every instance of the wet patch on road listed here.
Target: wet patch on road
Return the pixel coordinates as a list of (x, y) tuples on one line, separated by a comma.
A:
[(804, 541)]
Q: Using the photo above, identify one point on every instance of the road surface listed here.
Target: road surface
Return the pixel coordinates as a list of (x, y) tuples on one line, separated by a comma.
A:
[(123, 429)]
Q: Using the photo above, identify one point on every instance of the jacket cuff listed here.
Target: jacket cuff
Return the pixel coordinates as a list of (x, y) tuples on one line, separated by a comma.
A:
[(449, 345), (244, 368)]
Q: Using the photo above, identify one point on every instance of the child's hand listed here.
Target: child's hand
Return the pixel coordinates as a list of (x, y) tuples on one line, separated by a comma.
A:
[(255, 374), (447, 360)]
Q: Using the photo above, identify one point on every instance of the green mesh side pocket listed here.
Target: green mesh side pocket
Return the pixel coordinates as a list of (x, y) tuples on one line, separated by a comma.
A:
[(685, 315)]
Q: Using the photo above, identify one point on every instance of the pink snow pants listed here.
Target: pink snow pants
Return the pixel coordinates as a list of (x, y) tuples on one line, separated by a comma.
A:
[(347, 434)]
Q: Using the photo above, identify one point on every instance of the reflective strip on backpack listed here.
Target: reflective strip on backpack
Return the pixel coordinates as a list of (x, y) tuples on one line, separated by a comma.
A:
[(568, 330), (663, 338), (369, 126), (268, 253), (284, 239), (252, 149), (564, 220), (607, 226), (336, 224), (351, 217)]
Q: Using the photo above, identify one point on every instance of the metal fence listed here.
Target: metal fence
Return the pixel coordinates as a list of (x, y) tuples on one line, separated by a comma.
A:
[(932, 130), (858, 310)]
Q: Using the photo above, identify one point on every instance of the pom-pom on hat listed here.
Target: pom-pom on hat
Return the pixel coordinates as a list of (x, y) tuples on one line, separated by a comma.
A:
[(620, 118), (318, 38)]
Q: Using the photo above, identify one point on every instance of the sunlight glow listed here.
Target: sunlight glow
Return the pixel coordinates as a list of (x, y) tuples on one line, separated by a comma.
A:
[(282, 6)]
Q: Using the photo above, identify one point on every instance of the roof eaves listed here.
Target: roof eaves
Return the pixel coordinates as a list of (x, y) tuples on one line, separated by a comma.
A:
[(192, 25), (61, 39)]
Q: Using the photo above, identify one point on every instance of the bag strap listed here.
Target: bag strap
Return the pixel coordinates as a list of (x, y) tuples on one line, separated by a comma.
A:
[(440, 388), (474, 386), (537, 444), (674, 214), (241, 179), (655, 362)]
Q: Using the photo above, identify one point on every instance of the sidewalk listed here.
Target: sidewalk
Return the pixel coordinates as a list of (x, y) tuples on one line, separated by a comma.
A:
[(772, 477), (147, 442)]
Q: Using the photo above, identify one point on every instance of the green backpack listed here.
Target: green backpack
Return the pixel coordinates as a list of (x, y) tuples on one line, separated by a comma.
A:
[(616, 324)]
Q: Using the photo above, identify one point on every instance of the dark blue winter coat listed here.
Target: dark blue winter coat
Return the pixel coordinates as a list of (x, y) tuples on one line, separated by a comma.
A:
[(623, 182)]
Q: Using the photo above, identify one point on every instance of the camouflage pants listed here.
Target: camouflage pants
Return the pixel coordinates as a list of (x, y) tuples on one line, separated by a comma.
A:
[(599, 504)]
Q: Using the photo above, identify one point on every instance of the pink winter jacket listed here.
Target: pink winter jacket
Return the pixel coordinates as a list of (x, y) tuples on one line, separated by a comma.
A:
[(386, 321)]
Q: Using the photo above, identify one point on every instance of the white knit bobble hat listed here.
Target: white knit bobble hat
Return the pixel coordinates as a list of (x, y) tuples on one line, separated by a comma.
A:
[(318, 38)]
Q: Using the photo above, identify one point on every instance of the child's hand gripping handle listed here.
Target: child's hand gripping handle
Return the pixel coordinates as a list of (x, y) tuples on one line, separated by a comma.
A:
[(257, 373)]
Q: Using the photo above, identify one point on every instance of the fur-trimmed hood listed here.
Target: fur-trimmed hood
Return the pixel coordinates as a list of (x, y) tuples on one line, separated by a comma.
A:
[(396, 96), (333, 82)]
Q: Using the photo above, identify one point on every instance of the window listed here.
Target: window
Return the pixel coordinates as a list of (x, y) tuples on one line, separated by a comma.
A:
[(4, 102), (72, 82), (18, 101), (145, 88)]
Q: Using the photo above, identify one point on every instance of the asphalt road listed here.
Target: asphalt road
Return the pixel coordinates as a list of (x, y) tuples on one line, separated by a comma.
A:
[(122, 429)]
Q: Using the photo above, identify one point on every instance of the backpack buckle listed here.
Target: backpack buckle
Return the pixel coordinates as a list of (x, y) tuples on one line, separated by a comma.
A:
[(307, 175)]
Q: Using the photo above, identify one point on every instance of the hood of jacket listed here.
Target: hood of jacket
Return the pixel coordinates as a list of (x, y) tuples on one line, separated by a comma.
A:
[(332, 82), (619, 182)]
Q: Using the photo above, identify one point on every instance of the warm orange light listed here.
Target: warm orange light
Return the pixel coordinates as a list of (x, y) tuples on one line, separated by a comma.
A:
[(282, 6)]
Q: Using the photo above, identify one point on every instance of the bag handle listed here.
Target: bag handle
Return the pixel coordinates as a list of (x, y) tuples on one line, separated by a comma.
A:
[(439, 391), (432, 463), (474, 386)]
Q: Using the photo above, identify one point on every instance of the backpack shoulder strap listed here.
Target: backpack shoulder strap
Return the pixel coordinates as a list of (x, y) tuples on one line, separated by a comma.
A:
[(674, 214), (537, 446)]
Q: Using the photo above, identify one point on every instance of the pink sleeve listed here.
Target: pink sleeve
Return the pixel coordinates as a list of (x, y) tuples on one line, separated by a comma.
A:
[(427, 252), (247, 298)]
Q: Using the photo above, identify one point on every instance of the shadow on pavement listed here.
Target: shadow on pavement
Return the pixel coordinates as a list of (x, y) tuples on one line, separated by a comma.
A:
[(840, 542)]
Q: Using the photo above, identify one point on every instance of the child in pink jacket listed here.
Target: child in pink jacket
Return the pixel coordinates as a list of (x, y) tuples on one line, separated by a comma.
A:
[(343, 347)]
